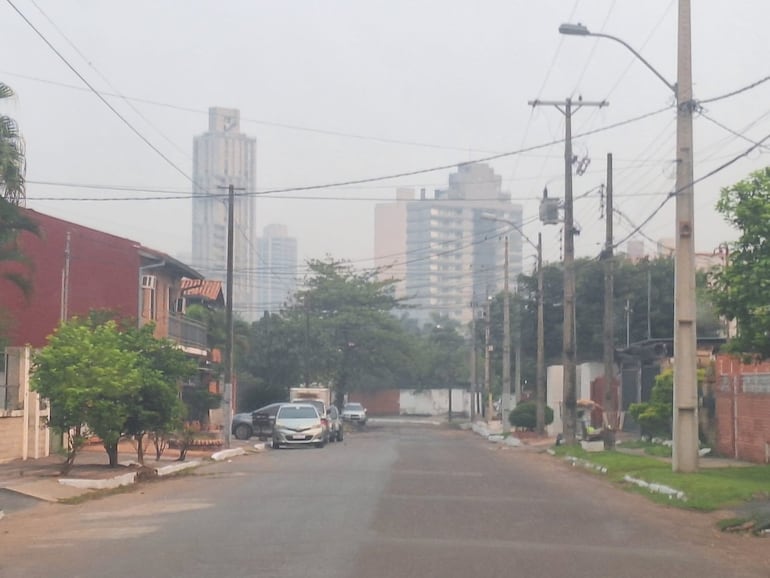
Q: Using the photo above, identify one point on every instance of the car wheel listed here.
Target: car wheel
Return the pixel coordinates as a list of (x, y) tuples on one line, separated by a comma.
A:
[(275, 445), (339, 435), (243, 431), (319, 445)]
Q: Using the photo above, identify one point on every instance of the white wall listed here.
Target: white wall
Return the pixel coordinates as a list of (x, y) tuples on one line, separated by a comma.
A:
[(433, 401), (586, 373)]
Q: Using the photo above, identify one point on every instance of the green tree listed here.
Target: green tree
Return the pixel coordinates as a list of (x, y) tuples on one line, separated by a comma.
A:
[(655, 417), (16, 265), (155, 407), (88, 376), (12, 159), (344, 325), (741, 288)]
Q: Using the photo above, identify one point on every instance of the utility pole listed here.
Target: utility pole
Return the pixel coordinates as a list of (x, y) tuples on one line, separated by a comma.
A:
[(227, 401), (487, 360), (569, 415), (628, 311), (685, 430), (540, 385), (473, 362), (506, 397), (65, 280), (610, 411)]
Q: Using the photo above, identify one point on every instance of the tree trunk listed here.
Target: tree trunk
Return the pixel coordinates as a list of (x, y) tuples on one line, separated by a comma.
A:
[(112, 453), (140, 448)]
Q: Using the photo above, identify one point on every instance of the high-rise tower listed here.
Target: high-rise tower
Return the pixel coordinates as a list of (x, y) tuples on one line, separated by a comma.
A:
[(277, 265), (221, 157)]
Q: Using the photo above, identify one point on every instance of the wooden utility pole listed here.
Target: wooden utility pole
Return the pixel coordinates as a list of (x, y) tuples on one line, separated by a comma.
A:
[(505, 399), (540, 405), (569, 415), (487, 360), (473, 363), (65, 280), (227, 396), (610, 411)]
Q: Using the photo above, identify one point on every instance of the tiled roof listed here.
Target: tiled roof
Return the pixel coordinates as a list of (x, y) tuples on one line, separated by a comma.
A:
[(204, 288)]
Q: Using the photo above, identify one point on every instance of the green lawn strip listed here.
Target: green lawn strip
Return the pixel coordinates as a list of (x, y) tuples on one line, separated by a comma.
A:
[(705, 490)]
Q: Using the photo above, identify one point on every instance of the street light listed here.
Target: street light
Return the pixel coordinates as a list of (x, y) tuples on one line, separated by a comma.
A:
[(685, 430)]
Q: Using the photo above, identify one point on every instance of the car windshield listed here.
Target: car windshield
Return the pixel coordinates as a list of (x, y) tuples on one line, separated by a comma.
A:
[(297, 412), (354, 406)]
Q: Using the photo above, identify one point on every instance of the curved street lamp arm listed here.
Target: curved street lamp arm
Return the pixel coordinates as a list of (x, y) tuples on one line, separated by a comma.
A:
[(639, 56)]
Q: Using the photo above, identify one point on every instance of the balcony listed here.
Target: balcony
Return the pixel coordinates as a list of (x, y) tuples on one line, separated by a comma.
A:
[(189, 334)]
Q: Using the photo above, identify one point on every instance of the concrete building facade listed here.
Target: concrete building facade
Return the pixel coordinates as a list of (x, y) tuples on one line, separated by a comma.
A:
[(277, 268), (450, 252), (223, 156)]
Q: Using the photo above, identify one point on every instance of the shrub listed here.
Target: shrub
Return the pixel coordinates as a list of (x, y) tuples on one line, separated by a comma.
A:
[(524, 415)]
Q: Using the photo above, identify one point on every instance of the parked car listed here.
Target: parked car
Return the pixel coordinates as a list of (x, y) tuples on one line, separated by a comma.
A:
[(322, 412), (299, 424), (335, 424), (255, 423), (354, 413)]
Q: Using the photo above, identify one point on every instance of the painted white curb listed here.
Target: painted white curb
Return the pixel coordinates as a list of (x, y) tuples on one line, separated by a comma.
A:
[(260, 447), (178, 467), (116, 482), (657, 488), (225, 454)]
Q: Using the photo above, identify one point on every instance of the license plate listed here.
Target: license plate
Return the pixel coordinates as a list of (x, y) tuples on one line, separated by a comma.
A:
[(297, 437)]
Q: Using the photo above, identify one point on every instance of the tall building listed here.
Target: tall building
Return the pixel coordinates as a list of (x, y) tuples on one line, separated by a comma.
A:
[(449, 251), (277, 266), (221, 157), (390, 254)]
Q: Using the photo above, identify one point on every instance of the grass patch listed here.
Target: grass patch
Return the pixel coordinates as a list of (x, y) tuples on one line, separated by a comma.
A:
[(657, 450), (97, 495), (706, 490)]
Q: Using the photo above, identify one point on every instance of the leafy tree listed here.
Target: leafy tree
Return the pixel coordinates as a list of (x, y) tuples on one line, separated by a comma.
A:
[(444, 354), (524, 415), (88, 377), (155, 406), (12, 160), (740, 289), (348, 336), (14, 221), (655, 417)]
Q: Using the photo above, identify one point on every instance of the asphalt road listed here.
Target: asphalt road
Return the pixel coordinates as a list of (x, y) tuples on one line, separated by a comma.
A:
[(394, 501)]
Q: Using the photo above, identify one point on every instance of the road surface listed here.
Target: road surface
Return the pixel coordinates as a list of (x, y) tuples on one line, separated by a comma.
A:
[(394, 501)]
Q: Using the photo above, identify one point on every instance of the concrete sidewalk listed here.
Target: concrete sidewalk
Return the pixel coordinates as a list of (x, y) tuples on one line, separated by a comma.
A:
[(41, 479)]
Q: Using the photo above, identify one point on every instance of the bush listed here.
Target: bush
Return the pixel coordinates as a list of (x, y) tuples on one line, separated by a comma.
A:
[(524, 415)]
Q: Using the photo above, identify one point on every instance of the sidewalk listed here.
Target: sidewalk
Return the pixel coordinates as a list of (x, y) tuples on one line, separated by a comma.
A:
[(40, 479)]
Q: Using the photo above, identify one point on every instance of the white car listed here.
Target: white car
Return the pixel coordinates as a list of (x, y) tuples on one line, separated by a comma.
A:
[(354, 413), (299, 424)]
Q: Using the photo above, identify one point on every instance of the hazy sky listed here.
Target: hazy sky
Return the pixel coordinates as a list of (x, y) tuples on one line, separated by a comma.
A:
[(338, 90)]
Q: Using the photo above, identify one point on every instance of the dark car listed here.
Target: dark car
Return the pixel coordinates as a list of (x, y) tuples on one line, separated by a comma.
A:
[(255, 423)]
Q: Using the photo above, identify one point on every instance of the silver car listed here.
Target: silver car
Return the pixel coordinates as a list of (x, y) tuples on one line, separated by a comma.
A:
[(298, 424), (354, 413)]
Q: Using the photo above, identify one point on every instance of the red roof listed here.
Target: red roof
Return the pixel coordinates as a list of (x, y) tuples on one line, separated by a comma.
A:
[(204, 288)]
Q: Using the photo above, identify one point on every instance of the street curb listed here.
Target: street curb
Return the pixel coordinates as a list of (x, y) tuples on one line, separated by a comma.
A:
[(91, 484), (225, 454), (260, 447), (174, 468)]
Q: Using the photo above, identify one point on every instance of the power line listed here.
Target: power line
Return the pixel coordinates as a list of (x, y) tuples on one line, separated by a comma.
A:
[(709, 174), (735, 92), (352, 182), (99, 95)]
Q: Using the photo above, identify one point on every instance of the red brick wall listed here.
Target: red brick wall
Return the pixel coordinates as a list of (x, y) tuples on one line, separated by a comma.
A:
[(379, 402), (743, 417), (103, 275)]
